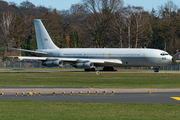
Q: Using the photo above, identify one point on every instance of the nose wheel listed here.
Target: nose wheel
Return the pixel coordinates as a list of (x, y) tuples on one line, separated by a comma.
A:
[(156, 69)]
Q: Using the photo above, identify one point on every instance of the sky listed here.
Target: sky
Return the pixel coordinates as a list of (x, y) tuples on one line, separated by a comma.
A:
[(66, 4)]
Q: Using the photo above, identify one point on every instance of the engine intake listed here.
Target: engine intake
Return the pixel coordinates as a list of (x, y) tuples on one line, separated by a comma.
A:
[(84, 65), (52, 63)]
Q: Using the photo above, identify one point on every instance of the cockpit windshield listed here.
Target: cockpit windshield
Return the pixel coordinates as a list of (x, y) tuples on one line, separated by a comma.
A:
[(163, 54)]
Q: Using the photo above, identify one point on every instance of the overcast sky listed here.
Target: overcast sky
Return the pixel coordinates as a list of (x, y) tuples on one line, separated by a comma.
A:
[(66, 4)]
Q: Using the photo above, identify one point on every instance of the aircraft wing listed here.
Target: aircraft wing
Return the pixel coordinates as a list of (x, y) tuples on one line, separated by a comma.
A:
[(104, 62)]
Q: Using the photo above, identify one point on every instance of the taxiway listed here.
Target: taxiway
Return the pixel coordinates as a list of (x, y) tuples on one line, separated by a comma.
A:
[(161, 96), (155, 98), (80, 70)]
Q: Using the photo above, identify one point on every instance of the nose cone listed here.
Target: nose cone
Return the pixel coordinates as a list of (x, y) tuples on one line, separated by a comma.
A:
[(169, 59)]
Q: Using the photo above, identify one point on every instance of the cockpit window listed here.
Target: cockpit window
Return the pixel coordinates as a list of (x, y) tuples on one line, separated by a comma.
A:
[(163, 54)]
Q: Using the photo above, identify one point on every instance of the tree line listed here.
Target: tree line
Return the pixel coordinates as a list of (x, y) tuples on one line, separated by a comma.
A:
[(91, 24)]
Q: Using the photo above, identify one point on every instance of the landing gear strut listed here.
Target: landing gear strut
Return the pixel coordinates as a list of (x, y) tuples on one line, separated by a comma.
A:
[(108, 69), (89, 69)]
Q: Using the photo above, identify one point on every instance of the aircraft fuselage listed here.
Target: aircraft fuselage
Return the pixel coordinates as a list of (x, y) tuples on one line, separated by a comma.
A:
[(129, 57)]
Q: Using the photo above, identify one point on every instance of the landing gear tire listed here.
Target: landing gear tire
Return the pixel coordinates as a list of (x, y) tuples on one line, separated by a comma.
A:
[(89, 69), (108, 69), (156, 69)]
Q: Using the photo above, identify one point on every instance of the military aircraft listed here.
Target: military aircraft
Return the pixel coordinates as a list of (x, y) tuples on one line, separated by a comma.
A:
[(90, 58)]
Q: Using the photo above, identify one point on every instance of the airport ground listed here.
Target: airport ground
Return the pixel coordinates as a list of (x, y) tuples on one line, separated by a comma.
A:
[(43, 110), (79, 78), (131, 100)]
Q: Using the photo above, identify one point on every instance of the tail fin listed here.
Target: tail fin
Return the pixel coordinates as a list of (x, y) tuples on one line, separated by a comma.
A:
[(43, 39)]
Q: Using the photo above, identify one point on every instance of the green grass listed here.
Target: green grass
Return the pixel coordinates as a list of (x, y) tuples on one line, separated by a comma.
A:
[(78, 79), (36, 110)]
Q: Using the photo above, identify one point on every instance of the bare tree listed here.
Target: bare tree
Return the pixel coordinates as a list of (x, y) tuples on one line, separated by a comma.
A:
[(77, 21), (127, 15), (5, 24), (98, 6), (117, 26), (167, 9), (100, 12), (141, 19)]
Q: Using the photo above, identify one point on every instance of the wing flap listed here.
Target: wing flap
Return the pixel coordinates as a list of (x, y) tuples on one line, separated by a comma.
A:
[(103, 61), (113, 61)]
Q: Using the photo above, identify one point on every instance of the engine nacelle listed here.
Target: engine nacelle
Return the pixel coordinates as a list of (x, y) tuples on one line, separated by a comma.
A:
[(84, 65), (52, 63)]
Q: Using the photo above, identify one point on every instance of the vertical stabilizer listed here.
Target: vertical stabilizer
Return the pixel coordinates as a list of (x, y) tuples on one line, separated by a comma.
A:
[(43, 39)]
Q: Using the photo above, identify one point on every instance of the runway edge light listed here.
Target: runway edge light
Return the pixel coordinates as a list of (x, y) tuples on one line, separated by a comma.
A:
[(34, 93), (30, 93), (71, 93), (88, 92), (1, 94), (16, 94), (54, 93), (40, 93), (80, 92), (149, 91), (63, 92), (96, 92)]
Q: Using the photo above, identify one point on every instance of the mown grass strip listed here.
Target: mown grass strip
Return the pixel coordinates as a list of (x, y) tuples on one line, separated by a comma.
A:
[(104, 80), (38, 110)]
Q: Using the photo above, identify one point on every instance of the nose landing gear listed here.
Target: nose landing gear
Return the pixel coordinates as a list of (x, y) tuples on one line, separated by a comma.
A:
[(156, 69)]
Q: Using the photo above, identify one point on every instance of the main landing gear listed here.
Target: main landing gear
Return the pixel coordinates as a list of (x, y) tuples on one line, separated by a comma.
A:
[(108, 69), (89, 69)]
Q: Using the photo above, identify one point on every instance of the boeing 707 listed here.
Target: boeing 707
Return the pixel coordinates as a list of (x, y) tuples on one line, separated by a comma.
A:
[(90, 58)]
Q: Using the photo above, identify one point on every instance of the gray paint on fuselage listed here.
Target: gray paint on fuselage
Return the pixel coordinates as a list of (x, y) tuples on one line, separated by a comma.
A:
[(129, 57)]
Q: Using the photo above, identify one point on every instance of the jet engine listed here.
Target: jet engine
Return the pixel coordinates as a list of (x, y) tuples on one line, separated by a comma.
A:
[(84, 65), (52, 63)]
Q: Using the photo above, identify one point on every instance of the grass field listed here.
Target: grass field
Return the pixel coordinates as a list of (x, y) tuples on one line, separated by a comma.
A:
[(104, 80), (39, 110), (35, 110)]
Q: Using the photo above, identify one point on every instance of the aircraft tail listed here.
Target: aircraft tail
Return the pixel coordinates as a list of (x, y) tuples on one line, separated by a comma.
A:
[(43, 39)]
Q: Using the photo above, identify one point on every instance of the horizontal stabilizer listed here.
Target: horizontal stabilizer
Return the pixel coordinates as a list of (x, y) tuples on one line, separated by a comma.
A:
[(31, 51), (42, 58), (27, 58)]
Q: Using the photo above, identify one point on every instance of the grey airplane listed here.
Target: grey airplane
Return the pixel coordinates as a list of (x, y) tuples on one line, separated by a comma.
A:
[(90, 58)]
